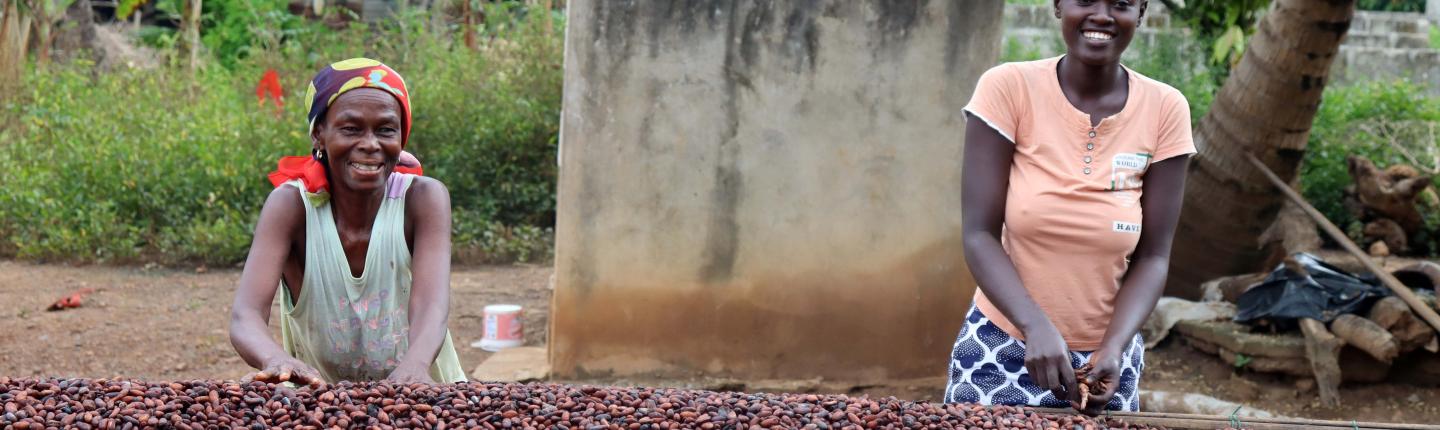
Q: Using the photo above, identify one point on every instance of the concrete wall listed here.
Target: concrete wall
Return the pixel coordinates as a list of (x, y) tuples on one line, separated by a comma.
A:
[(764, 189)]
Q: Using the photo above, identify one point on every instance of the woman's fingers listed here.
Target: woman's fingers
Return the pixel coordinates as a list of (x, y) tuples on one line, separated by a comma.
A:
[(309, 376), (1067, 378), (1044, 376)]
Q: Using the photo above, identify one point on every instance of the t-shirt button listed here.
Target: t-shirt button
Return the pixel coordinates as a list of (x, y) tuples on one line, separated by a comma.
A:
[(1087, 170), (1092, 133), (1090, 145), (1087, 159)]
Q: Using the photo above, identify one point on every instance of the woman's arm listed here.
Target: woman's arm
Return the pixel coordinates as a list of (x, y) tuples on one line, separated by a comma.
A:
[(279, 222), (1145, 280), (984, 184), (429, 206)]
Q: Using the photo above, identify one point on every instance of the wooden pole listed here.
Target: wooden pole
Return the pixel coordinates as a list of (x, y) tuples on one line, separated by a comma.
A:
[(1323, 351), (1194, 421), (1389, 280)]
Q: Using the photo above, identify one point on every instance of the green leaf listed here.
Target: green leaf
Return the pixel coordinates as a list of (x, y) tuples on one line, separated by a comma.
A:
[(1241, 360), (1232, 42), (127, 7)]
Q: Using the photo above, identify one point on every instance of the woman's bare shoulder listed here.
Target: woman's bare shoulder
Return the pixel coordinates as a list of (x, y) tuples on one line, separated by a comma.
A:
[(285, 207), (427, 188)]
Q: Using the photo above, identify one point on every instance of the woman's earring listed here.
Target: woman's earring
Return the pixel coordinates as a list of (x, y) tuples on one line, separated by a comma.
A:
[(319, 155)]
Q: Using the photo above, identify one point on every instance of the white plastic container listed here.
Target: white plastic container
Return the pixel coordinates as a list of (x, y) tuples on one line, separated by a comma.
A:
[(504, 328)]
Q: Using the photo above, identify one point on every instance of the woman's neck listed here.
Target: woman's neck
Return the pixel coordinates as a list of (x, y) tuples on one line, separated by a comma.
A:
[(355, 209), (1090, 82)]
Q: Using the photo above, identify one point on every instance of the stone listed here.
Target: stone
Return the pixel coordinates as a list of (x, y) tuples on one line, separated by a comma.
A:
[(522, 364)]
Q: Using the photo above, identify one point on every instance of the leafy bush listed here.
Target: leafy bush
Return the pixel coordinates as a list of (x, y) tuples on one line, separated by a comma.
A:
[(1171, 59), (169, 166), (1372, 120)]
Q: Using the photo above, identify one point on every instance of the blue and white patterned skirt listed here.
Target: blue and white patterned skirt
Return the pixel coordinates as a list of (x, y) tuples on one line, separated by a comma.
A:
[(987, 366)]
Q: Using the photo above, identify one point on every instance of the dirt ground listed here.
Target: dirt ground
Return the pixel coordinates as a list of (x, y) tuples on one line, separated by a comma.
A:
[(171, 325)]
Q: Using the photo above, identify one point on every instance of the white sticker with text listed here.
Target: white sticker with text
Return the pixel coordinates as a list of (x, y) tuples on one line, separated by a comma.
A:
[(1126, 227)]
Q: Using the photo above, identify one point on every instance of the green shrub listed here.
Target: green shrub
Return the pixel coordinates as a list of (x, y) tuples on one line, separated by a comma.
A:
[(1364, 120), (169, 166), (1171, 59)]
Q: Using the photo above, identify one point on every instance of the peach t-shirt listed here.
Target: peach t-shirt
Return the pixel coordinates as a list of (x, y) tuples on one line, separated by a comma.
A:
[(1072, 212)]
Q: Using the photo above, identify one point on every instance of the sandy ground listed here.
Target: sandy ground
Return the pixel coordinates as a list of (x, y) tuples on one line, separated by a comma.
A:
[(168, 324), (171, 324)]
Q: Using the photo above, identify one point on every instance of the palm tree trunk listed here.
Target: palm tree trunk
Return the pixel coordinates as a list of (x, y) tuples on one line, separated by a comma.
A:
[(1266, 107), (14, 32)]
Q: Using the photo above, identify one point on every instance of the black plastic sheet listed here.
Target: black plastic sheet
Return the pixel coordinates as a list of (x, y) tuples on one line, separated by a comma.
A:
[(1318, 291)]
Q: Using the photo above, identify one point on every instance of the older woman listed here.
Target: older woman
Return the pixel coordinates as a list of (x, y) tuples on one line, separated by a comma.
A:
[(357, 243)]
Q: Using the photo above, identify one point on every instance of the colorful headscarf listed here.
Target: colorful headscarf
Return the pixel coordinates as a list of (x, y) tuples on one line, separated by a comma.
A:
[(328, 85)]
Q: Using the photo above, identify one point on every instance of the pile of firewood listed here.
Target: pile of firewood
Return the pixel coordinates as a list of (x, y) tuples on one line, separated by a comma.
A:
[(1390, 340), (1388, 204)]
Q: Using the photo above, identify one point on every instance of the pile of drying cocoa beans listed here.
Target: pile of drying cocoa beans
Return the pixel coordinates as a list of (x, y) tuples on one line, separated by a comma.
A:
[(123, 404)]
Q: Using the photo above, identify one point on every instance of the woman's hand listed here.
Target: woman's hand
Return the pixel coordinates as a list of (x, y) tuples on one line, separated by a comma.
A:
[(1104, 373), (287, 369), (407, 373), (1047, 358)]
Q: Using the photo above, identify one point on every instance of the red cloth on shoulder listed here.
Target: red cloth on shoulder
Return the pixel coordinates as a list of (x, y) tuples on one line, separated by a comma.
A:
[(313, 173)]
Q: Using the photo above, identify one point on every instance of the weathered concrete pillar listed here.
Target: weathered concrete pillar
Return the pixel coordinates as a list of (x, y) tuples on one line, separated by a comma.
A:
[(764, 189), (1432, 11)]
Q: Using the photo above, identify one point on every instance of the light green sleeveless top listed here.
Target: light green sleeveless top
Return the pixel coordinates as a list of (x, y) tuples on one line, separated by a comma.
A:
[(356, 329)]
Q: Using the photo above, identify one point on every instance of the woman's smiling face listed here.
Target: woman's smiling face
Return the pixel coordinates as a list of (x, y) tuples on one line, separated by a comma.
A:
[(361, 137), (1096, 32)]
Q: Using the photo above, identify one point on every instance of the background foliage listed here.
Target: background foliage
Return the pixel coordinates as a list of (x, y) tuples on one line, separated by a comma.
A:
[(169, 166)]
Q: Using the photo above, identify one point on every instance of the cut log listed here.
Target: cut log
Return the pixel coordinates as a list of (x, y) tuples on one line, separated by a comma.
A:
[(1236, 337), (1394, 316), (1290, 358), (1388, 232), (1424, 275), (1414, 300), (1379, 249), (1367, 336), (1323, 351), (1229, 288), (1388, 312), (1384, 196)]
